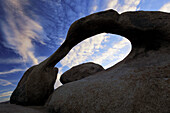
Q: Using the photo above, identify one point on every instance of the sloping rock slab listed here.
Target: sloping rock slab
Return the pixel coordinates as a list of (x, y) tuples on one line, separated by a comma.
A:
[(138, 84), (12, 108), (138, 91)]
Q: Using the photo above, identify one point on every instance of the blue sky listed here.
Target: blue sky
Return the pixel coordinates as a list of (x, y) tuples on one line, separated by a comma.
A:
[(31, 30)]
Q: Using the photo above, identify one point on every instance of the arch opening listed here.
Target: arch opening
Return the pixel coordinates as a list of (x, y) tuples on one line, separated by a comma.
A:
[(104, 49)]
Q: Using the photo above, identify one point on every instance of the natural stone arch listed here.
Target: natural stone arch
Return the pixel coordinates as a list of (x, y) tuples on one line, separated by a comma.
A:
[(101, 45), (146, 31), (141, 28), (137, 84), (103, 49)]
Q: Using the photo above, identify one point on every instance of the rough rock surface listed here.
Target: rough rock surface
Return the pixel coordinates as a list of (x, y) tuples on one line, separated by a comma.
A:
[(35, 86), (11, 108), (138, 84), (80, 71)]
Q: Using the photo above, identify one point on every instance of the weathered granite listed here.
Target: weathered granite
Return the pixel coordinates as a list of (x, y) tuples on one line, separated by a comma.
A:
[(12, 108), (80, 71), (35, 86), (138, 84)]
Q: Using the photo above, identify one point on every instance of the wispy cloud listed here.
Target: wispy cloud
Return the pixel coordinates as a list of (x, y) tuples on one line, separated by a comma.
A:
[(12, 71), (165, 7), (98, 49), (11, 61), (5, 99), (113, 53), (112, 4), (20, 30), (127, 5), (6, 94), (19, 60), (84, 50), (5, 82)]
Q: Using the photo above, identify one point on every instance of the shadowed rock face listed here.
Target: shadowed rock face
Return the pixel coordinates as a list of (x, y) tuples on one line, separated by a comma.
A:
[(35, 86), (137, 84), (11, 108), (80, 71)]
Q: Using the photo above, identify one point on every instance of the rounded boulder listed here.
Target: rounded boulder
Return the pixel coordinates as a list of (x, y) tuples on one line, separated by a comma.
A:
[(80, 71)]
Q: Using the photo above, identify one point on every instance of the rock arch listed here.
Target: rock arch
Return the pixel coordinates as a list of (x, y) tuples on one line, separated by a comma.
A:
[(146, 30), (149, 59)]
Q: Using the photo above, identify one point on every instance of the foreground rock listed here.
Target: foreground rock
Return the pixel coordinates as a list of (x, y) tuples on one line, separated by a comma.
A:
[(35, 86), (80, 71), (138, 84), (11, 108)]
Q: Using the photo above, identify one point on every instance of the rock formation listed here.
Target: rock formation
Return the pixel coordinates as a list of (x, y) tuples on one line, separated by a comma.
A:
[(11, 108), (137, 84), (35, 86), (80, 71)]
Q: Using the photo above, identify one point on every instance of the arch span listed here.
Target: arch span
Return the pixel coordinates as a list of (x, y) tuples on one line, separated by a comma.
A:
[(143, 29)]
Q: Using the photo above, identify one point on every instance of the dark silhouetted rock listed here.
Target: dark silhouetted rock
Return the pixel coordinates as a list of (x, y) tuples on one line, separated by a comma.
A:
[(35, 86), (138, 84), (11, 108), (80, 71)]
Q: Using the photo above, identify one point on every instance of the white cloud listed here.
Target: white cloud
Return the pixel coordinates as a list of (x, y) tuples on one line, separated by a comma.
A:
[(5, 99), (12, 71), (5, 82), (6, 94), (113, 53), (128, 5), (112, 4), (165, 7), (20, 30), (84, 50), (57, 84), (19, 60), (95, 8), (11, 61), (97, 49)]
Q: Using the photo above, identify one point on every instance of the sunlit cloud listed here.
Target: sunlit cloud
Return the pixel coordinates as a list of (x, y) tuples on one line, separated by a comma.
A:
[(11, 61), (113, 53), (94, 8), (57, 84), (5, 82), (97, 49), (5, 94), (112, 4), (20, 30), (19, 60), (5, 99), (12, 71), (127, 5), (165, 7), (84, 50)]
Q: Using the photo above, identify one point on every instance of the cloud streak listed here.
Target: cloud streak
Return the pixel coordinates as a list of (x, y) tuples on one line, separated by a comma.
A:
[(6, 94), (12, 71), (127, 5), (5, 82), (98, 49), (165, 7), (20, 30), (113, 54), (11, 61), (84, 50)]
